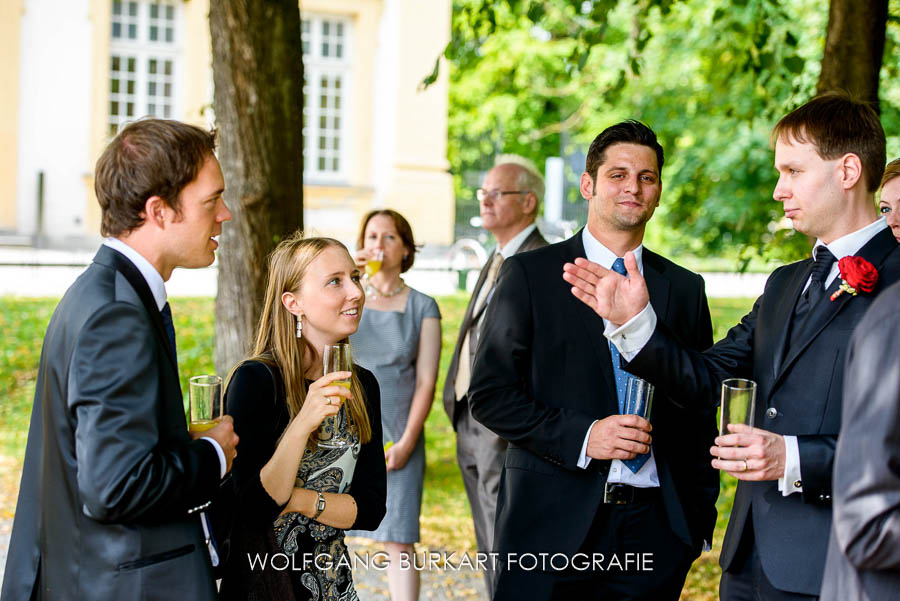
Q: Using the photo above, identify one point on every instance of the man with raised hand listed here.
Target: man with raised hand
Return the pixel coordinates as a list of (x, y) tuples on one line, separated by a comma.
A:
[(829, 154)]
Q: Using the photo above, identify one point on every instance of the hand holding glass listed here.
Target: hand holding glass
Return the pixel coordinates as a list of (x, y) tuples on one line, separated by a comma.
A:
[(373, 265), (638, 398), (206, 402), (333, 433), (738, 403)]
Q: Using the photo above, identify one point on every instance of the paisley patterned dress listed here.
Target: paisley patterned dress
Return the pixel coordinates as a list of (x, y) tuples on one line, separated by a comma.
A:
[(324, 470), (319, 568)]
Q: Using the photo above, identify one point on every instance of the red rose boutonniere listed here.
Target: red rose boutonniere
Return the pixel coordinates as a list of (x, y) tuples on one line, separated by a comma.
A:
[(857, 275)]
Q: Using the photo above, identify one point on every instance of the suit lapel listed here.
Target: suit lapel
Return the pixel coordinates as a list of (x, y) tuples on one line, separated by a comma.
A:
[(532, 241), (468, 317), (657, 284), (784, 311), (875, 251), (593, 324), (116, 260)]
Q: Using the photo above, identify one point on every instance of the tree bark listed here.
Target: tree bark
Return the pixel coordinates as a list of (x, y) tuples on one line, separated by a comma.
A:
[(258, 76), (854, 48)]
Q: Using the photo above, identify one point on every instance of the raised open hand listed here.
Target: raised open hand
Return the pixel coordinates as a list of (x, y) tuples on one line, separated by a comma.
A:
[(612, 296)]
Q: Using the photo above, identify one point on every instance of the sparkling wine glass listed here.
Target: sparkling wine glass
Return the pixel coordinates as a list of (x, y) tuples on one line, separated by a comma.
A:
[(334, 433)]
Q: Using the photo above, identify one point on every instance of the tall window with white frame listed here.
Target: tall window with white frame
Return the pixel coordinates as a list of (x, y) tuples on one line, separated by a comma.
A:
[(326, 93), (145, 55)]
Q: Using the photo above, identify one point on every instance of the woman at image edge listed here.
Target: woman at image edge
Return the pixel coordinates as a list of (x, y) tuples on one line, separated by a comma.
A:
[(399, 339), (278, 399), (889, 204)]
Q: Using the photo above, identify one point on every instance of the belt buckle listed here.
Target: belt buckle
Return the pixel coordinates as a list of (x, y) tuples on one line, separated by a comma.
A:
[(617, 494)]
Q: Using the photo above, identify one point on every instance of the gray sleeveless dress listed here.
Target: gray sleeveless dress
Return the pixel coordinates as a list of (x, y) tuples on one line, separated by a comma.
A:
[(386, 344)]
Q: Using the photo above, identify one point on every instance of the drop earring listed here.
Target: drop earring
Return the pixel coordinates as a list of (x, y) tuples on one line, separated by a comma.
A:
[(299, 326)]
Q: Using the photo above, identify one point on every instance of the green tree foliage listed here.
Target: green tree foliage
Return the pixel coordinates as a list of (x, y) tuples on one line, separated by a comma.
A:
[(542, 78)]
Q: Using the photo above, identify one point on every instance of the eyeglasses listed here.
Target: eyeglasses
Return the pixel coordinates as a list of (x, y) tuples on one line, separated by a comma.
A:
[(481, 194)]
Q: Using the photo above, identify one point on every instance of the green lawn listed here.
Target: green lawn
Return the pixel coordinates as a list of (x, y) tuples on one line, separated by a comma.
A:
[(445, 516)]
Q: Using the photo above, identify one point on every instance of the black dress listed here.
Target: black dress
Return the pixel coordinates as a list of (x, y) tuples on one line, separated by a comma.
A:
[(292, 557)]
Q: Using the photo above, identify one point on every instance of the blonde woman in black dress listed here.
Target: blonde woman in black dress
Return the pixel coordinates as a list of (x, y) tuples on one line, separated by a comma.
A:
[(294, 498)]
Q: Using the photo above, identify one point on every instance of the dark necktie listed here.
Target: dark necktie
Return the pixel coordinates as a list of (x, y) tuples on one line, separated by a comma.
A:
[(622, 378), (169, 325), (814, 295), (211, 545)]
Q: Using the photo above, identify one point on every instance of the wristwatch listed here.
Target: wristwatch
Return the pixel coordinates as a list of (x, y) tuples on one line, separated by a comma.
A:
[(320, 506)]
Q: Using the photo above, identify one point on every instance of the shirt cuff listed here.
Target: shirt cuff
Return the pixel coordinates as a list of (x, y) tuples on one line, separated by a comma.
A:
[(584, 460), (633, 335), (791, 482), (223, 467)]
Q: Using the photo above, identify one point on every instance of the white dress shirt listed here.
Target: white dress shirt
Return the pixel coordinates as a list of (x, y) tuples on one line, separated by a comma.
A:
[(632, 336), (647, 476), (158, 289)]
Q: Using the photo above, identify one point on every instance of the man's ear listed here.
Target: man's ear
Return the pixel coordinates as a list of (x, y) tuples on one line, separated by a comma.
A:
[(156, 211), (530, 205), (587, 186), (850, 170)]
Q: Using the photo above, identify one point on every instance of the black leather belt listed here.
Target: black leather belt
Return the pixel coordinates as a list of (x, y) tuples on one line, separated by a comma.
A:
[(623, 494)]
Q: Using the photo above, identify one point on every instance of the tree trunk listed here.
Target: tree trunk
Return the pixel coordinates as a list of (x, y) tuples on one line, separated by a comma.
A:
[(258, 75), (854, 48)]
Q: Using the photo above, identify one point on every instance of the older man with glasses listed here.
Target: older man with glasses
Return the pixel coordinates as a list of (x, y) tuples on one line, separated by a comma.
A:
[(508, 199)]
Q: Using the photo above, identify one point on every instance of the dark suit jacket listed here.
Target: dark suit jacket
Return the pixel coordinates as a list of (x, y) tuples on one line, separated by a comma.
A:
[(110, 471), (864, 553), (799, 392), (543, 373), (451, 406)]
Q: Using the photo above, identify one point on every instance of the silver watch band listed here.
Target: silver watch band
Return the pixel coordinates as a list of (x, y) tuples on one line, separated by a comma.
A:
[(320, 505)]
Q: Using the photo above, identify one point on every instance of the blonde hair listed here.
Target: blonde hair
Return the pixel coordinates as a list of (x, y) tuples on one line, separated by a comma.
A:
[(890, 172), (276, 341)]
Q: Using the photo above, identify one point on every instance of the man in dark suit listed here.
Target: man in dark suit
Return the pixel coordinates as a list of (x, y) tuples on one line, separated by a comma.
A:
[(509, 199), (586, 494), (863, 561), (111, 474), (829, 154)]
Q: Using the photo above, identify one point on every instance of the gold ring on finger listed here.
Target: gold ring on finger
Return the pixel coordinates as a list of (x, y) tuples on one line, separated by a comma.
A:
[(745, 465)]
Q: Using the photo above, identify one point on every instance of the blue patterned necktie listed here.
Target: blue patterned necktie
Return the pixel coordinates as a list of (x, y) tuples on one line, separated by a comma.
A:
[(622, 378), (169, 325)]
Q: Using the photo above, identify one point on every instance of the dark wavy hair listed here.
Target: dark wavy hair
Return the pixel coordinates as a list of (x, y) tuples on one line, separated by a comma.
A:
[(150, 157), (626, 132)]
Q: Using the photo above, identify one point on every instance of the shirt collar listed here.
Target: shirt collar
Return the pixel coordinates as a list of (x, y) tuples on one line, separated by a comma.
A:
[(597, 253), (851, 243), (512, 247), (151, 276)]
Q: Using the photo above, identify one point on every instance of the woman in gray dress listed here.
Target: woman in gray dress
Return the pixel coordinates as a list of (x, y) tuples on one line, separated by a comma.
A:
[(399, 340)]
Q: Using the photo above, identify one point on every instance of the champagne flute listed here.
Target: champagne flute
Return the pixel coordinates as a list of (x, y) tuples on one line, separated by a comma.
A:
[(333, 433), (205, 401)]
